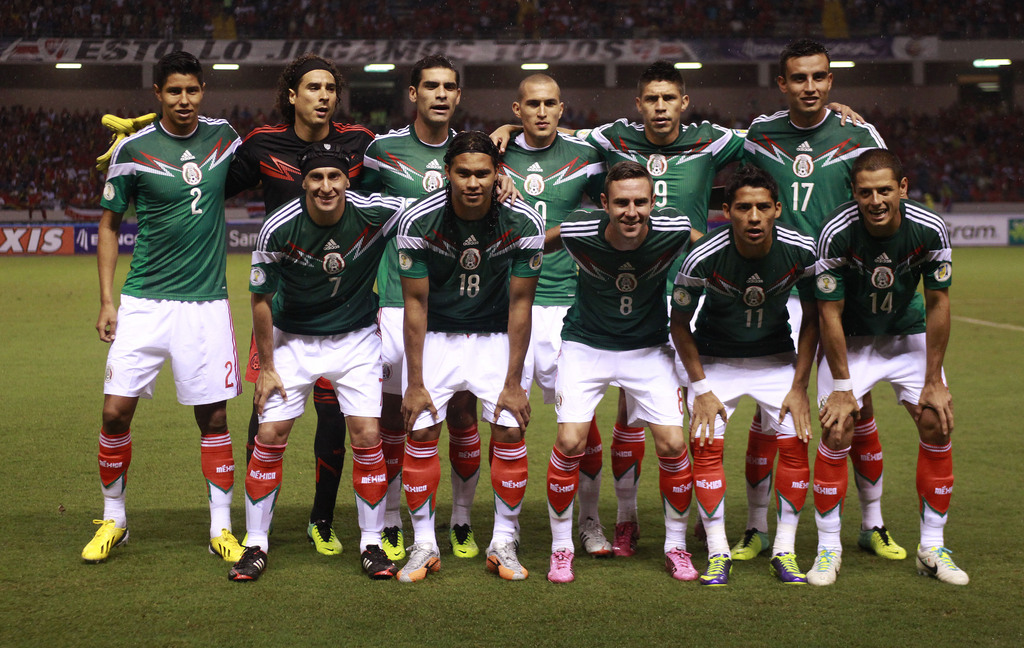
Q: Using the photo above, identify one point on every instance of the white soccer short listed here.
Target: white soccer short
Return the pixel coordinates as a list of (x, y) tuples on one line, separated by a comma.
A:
[(350, 361), (474, 362), (648, 377), (197, 337), (392, 352), (897, 359), (766, 379), (545, 342)]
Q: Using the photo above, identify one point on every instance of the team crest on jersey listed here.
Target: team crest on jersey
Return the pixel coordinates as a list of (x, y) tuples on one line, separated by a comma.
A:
[(753, 296), (191, 173), (943, 272), (536, 260), (882, 277), (826, 284), (803, 165), (626, 282), (109, 374), (333, 263), (257, 277), (432, 180), (657, 164), (385, 371), (681, 297), (108, 191), (534, 184), (404, 261), (470, 259), (558, 400)]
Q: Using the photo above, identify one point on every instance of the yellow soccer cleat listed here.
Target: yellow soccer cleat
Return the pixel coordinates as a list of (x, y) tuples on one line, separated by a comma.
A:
[(108, 536), (323, 538), (226, 547)]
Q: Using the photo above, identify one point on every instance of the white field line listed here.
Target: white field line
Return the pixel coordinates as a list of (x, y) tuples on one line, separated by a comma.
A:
[(1005, 327)]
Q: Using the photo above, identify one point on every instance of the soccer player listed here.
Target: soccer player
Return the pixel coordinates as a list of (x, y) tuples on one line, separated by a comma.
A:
[(314, 316), (874, 327), (616, 333), (174, 302), (742, 346), (469, 268), (553, 171), (809, 150), (307, 97)]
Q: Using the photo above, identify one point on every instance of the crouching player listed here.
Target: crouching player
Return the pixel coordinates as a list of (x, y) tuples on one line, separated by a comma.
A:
[(872, 254), (615, 333), (742, 346), (314, 315)]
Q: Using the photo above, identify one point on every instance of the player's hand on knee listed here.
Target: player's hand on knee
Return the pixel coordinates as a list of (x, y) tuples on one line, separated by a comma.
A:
[(106, 325), (839, 407), (706, 407), (514, 400), (415, 401), (936, 397), (796, 405), (267, 383)]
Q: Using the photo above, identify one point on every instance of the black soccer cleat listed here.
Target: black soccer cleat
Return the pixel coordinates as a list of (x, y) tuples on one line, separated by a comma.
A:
[(250, 566), (377, 565)]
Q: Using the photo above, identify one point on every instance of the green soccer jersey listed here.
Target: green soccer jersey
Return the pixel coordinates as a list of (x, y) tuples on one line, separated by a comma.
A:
[(177, 184), (620, 295), (744, 313), (810, 165), (553, 180), (400, 164), (322, 277), (878, 278), (469, 263)]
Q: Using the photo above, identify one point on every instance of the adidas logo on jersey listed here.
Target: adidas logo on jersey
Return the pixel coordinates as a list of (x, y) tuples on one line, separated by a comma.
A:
[(625, 267), (187, 155), (471, 241), (883, 258), (433, 164), (755, 278), (804, 147), (331, 245), (535, 168)]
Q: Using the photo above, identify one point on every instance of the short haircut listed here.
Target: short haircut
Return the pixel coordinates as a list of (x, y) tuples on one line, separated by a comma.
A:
[(472, 142), (177, 62), (429, 62), (660, 71), (626, 170), (291, 75), (876, 160), (536, 78), (749, 175), (799, 48)]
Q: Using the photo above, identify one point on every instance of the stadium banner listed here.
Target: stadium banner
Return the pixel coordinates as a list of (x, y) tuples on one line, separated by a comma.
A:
[(25, 240), (87, 237), (983, 230), (406, 52)]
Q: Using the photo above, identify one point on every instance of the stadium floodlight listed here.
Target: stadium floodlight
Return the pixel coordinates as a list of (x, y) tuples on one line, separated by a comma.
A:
[(69, 66), (225, 66), (379, 67), (534, 66), (688, 65), (989, 86), (842, 64), (990, 63)]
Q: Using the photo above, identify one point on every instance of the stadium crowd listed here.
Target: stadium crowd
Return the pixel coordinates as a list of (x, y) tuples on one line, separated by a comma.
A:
[(492, 19)]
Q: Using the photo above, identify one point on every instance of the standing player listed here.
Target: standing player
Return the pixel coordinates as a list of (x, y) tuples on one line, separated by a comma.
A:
[(809, 151), (469, 267), (872, 254), (174, 303), (616, 333), (742, 346), (307, 97), (314, 316), (553, 171)]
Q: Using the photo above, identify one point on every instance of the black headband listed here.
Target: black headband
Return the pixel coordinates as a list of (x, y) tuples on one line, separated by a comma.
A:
[(323, 155), (309, 66)]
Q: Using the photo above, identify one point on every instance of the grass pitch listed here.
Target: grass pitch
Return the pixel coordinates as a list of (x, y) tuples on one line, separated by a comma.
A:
[(164, 589)]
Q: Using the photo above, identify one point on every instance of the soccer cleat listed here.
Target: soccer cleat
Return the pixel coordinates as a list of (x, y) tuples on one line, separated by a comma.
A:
[(753, 544), (879, 542), (626, 536), (825, 568), (106, 538), (561, 570), (719, 568), (393, 542), (376, 563), (423, 559), (226, 546), (784, 567), (593, 540), (937, 563), (463, 542), (679, 565), (503, 561), (250, 566), (323, 538)]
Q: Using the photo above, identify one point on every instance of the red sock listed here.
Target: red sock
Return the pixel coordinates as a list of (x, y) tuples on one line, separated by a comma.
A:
[(675, 478), (791, 482), (218, 462), (369, 477), (509, 472), (590, 464), (830, 479), (760, 453), (563, 480), (393, 446), (464, 451), (709, 476), (115, 455), (265, 470), (490, 452), (627, 450), (421, 473), (935, 477), (866, 451)]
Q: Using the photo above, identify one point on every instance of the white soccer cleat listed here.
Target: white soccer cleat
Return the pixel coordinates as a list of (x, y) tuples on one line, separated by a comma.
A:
[(825, 568), (937, 563)]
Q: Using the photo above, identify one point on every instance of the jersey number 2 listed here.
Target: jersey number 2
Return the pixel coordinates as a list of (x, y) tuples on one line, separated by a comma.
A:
[(196, 193)]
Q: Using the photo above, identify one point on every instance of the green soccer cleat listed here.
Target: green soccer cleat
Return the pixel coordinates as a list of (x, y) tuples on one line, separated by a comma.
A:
[(879, 542), (323, 538), (392, 541), (463, 542), (937, 563), (753, 544), (226, 547), (106, 538)]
